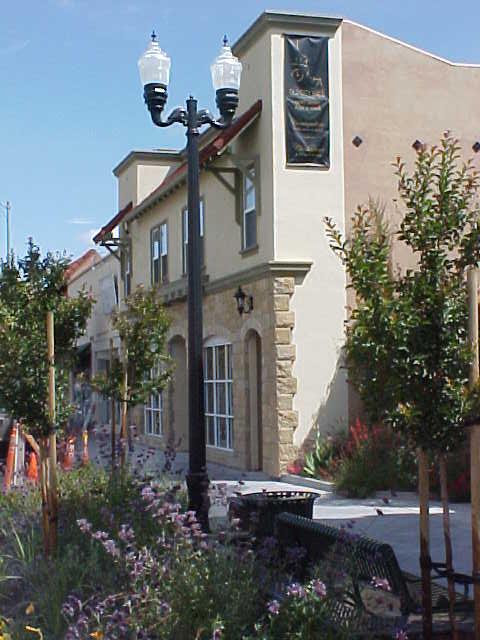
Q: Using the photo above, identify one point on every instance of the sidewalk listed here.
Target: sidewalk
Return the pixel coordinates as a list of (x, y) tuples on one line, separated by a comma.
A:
[(397, 523)]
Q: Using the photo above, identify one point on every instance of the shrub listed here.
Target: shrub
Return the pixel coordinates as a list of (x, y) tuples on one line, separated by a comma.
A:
[(375, 459), (323, 459)]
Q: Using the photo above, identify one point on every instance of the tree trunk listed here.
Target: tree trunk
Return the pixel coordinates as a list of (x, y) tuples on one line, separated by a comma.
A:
[(123, 429), (448, 545), (51, 469), (113, 425), (425, 560)]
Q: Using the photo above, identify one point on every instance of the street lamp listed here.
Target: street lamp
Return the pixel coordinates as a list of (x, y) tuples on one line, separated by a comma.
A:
[(226, 69)]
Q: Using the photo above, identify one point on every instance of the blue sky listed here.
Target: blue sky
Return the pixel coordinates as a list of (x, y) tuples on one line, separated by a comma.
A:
[(71, 102)]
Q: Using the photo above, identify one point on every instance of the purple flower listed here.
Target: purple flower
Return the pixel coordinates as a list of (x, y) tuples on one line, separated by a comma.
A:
[(319, 588), (401, 635), (296, 590), (273, 607), (381, 583)]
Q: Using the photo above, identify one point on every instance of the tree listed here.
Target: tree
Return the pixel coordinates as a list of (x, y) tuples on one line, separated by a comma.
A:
[(29, 289), (407, 340), (141, 369)]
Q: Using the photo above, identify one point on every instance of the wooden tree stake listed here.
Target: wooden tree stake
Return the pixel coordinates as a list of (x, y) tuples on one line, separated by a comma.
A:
[(448, 544), (113, 425), (425, 560), (123, 428), (52, 491), (472, 286)]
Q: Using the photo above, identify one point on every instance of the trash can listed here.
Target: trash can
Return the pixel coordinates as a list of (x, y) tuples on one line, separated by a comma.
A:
[(257, 511)]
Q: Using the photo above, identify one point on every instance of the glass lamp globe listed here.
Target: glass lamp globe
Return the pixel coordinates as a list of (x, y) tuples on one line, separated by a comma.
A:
[(154, 64), (226, 69)]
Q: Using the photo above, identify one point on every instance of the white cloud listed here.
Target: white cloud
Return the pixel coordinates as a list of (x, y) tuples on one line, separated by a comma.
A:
[(79, 221)]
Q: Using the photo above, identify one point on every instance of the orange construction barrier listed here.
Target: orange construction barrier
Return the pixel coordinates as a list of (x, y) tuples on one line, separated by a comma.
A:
[(11, 455), (85, 447), (32, 469), (69, 456)]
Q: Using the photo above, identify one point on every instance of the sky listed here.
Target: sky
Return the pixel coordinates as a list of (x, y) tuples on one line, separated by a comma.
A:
[(71, 103)]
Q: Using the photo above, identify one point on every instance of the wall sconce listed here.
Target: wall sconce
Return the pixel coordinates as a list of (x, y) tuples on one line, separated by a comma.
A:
[(244, 301)]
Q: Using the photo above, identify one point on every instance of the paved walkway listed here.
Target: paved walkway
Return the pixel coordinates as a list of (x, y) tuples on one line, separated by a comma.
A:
[(398, 525)]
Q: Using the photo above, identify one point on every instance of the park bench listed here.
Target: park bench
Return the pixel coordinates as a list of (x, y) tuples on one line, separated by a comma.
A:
[(349, 564)]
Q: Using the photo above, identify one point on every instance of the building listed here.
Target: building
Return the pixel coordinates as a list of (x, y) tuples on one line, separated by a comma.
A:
[(325, 107), (99, 277)]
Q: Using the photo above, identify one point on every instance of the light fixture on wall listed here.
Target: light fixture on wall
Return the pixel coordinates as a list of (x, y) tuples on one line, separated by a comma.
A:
[(244, 301)]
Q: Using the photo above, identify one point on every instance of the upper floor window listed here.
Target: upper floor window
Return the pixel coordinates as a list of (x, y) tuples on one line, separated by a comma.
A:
[(159, 253), (127, 269), (219, 394), (249, 213), (185, 236)]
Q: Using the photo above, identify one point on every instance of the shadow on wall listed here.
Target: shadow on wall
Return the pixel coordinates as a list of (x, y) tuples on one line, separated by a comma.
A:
[(332, 415)]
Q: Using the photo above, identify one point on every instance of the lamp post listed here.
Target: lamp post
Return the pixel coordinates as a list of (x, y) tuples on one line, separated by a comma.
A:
[(154, 67)]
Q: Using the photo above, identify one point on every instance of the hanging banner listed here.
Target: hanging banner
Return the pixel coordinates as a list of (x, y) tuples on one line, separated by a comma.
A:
[(306, 100)]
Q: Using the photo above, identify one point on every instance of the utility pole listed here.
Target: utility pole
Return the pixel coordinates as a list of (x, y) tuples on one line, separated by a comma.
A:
[(8, 207)]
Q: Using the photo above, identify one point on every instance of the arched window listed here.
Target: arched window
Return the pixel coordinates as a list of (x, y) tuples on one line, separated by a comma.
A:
[(218, 393)]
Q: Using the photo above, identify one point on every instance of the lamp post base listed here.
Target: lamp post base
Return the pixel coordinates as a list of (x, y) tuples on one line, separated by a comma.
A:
[(199, 500)]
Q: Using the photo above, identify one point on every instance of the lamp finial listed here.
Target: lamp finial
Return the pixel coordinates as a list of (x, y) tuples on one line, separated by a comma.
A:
[(225, 41), (153, 36)]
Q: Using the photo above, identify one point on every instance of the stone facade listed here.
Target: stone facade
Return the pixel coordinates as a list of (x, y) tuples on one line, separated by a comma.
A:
[(272, 323)]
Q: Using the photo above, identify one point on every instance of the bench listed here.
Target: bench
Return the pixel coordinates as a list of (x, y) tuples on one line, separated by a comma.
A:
[(349, 562)]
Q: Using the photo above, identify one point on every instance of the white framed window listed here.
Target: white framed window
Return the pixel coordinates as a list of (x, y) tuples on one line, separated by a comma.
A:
[(249, 213), (159, 253), (127, 275), (154, 414), (108, 295), (218, 394), (185, 236)]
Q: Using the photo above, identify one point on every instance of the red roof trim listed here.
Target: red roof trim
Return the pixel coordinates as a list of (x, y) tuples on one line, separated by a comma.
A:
[(110, 226), (83, 262), (210, 151)]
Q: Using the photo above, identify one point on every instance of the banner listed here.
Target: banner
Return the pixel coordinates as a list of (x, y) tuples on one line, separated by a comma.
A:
[(306, 100)]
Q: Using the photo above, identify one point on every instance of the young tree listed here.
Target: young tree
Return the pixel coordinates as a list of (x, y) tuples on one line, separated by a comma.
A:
[(29, 289), (141, 369), (407, 345)]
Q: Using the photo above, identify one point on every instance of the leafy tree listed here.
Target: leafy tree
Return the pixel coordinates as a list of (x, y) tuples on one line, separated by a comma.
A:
[(407, 340), (407, 344), (29, 288), (141, 369)]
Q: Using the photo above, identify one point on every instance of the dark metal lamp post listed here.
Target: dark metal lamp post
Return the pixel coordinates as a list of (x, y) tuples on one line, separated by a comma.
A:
[(154, 67)]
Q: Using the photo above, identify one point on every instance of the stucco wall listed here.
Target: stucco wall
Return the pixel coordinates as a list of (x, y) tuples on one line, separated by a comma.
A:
[(303, 197), (393, 95)]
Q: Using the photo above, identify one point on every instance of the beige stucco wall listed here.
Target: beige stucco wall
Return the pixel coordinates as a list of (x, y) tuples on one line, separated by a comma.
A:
[(303, 196), (98, 330), (394, 94)]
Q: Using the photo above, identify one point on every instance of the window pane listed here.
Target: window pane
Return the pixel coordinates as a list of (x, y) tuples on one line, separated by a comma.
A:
[(250, 232), (155, 244), (249, 195), (163, 239), (148, 421), (164, 267), (229, 361), (220, 362), (229, 399), (210, 430), (209, 406), (222, 433), (230, 433), (220, 397), (157, 423), (155, 271)]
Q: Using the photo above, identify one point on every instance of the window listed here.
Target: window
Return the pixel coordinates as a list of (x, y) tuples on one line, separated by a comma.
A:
[(127, 270), (153, 412), (185, 236), (218, 395), (108, 295), (249, 216), (159, 253)]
